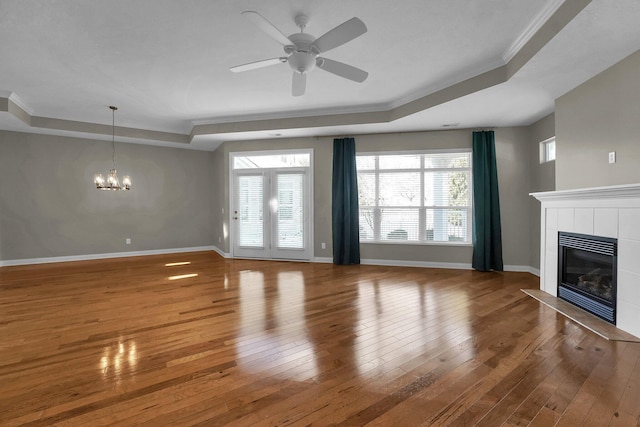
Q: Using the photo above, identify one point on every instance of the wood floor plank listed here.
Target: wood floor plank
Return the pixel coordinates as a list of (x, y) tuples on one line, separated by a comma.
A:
[(260, 343)]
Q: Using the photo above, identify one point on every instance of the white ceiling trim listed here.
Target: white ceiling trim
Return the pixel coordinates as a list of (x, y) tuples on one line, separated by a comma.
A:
[(547, 12), (373, 108), (20, 103), (444, 84), (16, 109)]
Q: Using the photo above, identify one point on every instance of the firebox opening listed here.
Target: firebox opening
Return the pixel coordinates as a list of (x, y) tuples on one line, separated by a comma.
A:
[(587, 273)]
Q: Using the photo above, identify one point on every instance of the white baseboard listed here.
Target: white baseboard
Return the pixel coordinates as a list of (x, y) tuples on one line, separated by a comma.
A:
[(324, 260), (424, 264), (447, 265), (522, 269), (48, 260), (220, 252)]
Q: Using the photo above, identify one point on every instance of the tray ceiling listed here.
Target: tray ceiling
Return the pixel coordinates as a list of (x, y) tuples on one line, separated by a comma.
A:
[(165, 64)]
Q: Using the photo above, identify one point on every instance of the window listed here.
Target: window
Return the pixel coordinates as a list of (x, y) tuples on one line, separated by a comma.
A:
[(415, 197), (548, 150), (280, 160)]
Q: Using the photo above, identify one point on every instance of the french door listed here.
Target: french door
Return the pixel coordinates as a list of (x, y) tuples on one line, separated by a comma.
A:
[(271, 213)]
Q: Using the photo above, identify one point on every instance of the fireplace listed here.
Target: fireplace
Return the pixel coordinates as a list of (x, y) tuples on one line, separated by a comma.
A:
[(587, 270), (612, 212)]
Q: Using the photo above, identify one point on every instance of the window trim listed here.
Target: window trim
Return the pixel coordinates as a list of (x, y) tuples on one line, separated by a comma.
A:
[(421, 169)]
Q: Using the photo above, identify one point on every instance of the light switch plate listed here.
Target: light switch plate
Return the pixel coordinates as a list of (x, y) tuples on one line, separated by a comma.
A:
[(612, 157)]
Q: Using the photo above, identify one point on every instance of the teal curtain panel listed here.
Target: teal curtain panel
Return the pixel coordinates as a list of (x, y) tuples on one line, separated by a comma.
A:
[(346, 238), (487, 235)]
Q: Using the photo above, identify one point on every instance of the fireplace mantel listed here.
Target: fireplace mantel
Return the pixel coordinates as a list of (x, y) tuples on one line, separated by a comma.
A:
[(596, 193), (601, 211)]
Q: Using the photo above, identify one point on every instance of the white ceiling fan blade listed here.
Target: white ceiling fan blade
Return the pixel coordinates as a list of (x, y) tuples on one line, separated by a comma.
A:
[(266, 26), (343, 70), (258, 64), (299, 84), (341, 34)]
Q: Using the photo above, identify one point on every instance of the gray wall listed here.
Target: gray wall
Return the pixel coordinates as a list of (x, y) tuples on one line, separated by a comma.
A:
[(543, 178), (512, 151), (49, 206), (512, 146), (219, 204), (597, 117)]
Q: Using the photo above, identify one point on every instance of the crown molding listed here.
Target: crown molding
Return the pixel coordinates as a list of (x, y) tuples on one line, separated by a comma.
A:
[(13, 97), (101, 129), (283, 115), (14, 106), (291, 123), (534, 26), (444, 84), (471, 85), (563, 15)]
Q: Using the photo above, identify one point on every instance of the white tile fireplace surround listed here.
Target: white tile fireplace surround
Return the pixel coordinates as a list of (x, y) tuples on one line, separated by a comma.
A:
[(603, 211)]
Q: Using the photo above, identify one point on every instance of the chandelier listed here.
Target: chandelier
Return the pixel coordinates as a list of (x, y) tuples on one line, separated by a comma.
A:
[(112, 182)]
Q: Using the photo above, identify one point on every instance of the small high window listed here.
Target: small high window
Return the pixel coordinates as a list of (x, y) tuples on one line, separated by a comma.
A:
[(548, 150)]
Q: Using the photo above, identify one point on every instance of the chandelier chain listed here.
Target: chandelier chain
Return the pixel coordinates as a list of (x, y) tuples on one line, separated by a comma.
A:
[(113, 135)]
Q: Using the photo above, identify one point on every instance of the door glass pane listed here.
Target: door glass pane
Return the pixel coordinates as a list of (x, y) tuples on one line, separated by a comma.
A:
[(290, 188), (250, 203)]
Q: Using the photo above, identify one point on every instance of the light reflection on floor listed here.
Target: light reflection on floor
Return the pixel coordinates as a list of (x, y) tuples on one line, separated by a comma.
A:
[(116, 360), (274, 329), (384, 310)]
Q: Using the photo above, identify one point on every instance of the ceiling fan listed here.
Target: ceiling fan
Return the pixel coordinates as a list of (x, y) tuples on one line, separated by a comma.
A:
[(303, 50)]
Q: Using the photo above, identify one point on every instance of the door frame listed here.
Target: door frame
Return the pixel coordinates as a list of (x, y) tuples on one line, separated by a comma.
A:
[(231, 188)]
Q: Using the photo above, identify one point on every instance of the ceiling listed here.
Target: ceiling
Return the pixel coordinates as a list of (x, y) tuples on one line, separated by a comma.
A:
[(165, 64)]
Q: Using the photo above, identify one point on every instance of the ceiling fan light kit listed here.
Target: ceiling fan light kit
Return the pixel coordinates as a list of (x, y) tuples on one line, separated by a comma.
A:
[(303, 50)]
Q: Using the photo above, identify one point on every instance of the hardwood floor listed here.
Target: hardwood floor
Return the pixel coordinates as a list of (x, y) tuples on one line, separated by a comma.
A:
[(257, 343)]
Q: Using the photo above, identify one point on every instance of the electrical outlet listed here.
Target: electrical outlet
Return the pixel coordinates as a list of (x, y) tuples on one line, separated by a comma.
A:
[(324, 245), (127, 241), (612, 157)]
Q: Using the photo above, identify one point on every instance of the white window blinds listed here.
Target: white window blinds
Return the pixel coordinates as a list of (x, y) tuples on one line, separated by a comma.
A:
[(419, 197)]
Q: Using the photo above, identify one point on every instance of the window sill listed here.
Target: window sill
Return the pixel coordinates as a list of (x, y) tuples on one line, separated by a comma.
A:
[(415, 243)]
